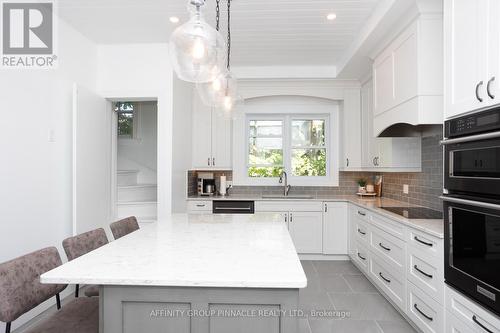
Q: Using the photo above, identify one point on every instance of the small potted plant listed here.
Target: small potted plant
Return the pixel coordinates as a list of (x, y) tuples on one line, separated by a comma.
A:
[(361, 185)]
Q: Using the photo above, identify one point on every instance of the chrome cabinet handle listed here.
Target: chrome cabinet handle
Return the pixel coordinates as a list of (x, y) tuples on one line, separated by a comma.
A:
[(361, 232), (209, 161), (291, 217), (326, 208), (488, 88), (422, 272), (422, 242), (423, 314), (384, 278), (382, 246), (200, 205), (213, 161), (477, 91), (375, 161), (474, 318), (361, 213), (361, 257), (286, 218), (347, 160)]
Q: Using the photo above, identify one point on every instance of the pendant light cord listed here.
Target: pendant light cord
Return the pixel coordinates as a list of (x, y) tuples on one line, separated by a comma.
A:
[(217, 14), (228, 34)]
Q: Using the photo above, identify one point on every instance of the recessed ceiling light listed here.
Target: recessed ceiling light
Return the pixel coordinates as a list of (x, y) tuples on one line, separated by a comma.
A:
[(331, 16), (174, 19)]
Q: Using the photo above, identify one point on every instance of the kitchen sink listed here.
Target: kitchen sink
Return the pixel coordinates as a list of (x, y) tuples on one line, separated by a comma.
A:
[(291, 196)]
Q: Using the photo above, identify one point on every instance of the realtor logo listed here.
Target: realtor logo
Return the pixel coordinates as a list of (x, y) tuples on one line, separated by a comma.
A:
[(28, 34)]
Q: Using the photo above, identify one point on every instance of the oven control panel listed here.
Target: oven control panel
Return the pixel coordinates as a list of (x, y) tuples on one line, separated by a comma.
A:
[(484, 121)]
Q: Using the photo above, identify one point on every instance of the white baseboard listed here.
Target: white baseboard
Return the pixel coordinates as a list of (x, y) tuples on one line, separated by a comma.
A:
[(342, 257)]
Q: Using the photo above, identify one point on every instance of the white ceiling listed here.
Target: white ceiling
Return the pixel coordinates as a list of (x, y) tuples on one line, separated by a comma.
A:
[(265, 32)]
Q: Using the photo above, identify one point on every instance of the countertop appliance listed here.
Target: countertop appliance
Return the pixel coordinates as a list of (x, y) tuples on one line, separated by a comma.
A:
[(472, 206), (206, 184), (233, 207), (415, 212)]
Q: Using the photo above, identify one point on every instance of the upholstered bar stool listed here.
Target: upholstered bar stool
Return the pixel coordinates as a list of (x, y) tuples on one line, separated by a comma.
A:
[(21, 291), (81, 244), (124, 227)]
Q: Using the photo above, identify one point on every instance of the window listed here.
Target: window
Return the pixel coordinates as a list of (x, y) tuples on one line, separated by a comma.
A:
[(297, 144), (265, 148), (126, 119)]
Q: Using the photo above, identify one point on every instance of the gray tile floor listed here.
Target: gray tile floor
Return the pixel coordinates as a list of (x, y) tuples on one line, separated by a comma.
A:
[(340, 286)]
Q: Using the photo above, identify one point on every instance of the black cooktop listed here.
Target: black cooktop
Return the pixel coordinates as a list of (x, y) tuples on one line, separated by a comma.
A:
[(415, 212)]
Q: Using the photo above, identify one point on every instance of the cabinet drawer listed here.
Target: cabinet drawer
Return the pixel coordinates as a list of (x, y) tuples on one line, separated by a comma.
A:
[(453, 325), (361, 213), (361, 256), (425, 312), (426, 243), (390, 280), (200, 206), (470, 313), (288, 206), (388, 247), (426, 272), (394, 228), (361, 231)]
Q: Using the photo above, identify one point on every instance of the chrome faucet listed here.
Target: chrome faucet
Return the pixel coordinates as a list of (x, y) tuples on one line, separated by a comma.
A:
[(287, 187)]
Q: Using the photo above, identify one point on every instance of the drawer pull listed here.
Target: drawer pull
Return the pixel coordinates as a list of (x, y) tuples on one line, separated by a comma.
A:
[(382, 246), (384, 278), (361, 213), (422, 272), (422, 242), (361, 257), (422, 313), (361, 232), (474, 318), (200, 205)]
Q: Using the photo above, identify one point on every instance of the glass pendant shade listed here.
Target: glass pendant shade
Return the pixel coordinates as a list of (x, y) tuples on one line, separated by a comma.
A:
[(221, 93), (197, 50)]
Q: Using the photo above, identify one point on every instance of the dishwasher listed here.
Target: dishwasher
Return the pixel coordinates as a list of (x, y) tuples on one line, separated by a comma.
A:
[(233, 207)]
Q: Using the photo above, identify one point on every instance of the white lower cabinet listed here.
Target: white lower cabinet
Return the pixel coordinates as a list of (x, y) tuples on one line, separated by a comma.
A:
[(467, 316), (199, 207), (335, 236), (389, 279), (361, 256), (424, 311), (306, 230)]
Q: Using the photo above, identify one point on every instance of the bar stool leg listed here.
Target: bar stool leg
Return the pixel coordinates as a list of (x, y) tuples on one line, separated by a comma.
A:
[(77, 289), (58, 301), (7, 328)]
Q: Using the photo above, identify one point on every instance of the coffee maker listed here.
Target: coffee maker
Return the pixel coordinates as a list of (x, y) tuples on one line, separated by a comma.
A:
[(206, 184)]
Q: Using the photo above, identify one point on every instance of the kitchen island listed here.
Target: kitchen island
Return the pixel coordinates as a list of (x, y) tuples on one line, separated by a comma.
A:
[(195, 273)]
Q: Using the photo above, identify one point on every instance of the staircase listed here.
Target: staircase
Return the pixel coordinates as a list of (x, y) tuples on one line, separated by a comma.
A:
[(139, 200)]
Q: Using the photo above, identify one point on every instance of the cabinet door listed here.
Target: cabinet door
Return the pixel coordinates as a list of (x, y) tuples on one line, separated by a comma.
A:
[(221, 141), (492, 73), (405, 65), (351, 132), (306, 229), (202, 135), (369, 148), (335, 233), (454, 325), (464, 60)]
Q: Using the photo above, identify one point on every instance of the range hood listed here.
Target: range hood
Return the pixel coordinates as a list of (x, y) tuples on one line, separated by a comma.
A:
[(408, 130)]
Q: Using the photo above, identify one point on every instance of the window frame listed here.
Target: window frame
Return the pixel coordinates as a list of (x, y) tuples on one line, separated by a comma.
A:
[(327, 113), (136, 136)]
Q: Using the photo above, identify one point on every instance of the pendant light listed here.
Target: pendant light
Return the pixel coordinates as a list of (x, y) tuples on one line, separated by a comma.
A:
[(196, 49), (221, 93)]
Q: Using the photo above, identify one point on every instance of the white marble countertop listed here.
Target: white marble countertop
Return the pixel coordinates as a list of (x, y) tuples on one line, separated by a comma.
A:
[(238, 251), (434, 227)]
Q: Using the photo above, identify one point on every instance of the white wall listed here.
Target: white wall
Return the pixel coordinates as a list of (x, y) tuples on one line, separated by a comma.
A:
[(35, 174), (140, 152), (143, 71), (182, 143)]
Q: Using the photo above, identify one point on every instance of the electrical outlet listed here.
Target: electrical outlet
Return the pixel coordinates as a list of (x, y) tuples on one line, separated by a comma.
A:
[(406, 189)]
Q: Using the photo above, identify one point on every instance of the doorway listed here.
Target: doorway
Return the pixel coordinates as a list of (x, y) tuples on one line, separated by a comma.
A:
[(135, 160)]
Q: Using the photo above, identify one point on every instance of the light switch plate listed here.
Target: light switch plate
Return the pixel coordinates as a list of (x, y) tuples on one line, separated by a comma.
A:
[(406, 189)]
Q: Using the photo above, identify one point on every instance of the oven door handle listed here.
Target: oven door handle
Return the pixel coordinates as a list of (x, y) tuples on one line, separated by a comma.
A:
[(470, 202), (477, 137)]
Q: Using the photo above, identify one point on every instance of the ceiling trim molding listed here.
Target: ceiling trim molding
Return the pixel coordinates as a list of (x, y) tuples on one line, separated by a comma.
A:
[(285, 72)]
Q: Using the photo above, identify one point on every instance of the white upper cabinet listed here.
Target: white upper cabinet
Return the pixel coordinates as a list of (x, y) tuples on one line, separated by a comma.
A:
[(351, 129), (408, 78), (472, 57), (211, 138)]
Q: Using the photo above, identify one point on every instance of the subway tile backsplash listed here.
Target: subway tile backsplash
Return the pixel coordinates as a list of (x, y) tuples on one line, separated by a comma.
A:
[(424, 187)]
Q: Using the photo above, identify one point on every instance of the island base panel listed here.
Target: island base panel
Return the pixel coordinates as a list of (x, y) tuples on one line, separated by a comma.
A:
[(129, 309)]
